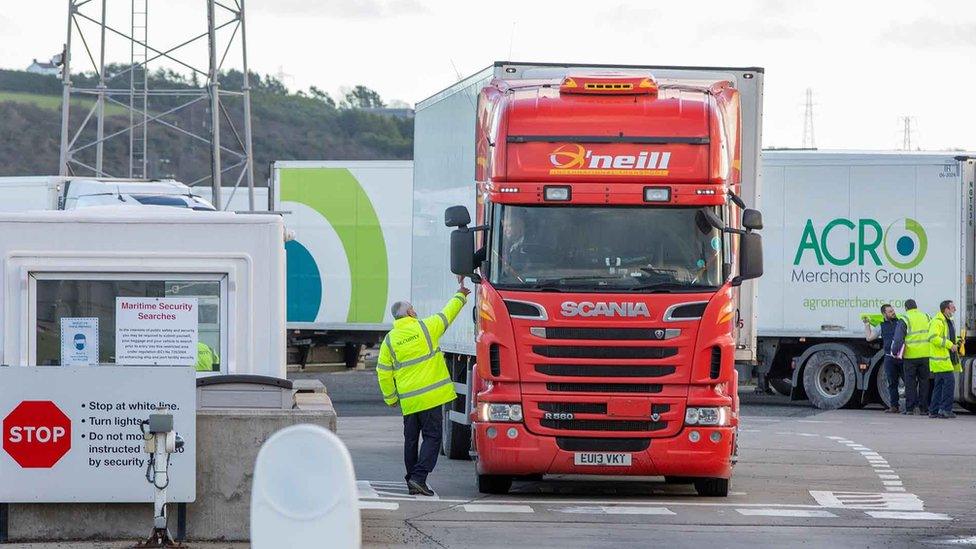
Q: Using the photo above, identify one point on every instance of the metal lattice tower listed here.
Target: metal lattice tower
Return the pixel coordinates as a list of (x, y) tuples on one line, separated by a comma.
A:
[(906, 138), (131, 88), (809, 139)]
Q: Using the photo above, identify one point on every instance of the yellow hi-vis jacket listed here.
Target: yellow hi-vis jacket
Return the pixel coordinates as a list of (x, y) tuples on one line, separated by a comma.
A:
[(939, 345), (411, 368), (916, 334)]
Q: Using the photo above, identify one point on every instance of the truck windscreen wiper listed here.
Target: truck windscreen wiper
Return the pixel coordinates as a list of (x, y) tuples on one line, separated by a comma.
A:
[(671, 286)]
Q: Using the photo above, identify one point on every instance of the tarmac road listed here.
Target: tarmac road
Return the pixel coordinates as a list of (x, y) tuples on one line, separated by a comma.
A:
[(845, 478)]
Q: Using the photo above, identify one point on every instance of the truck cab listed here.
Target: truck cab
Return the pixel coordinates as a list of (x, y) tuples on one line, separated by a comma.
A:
[(609, 244)]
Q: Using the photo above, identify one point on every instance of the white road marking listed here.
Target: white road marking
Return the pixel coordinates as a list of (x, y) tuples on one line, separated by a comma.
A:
[(881, 471), (614, 510), (365, 489), (888, 477), (496, 508), (836, 438), (798, 513), (896, 515), (891, 482), (895, 489), (955, 541), (381, 505), (868, 500)]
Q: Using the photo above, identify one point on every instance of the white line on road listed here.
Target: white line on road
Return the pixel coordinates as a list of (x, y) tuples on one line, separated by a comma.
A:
[(383, 505), (614, 510), (901, 515), (798, 513), (496, 508)]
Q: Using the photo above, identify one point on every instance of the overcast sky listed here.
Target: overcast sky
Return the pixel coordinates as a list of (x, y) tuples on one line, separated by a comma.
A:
[(869, 62)]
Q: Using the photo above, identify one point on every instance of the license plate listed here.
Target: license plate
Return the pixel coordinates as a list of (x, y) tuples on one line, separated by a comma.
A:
[(602, 459)]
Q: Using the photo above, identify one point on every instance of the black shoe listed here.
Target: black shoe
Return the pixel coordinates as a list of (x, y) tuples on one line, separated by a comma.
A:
[(905, 412), (419, 488), (933, 416)]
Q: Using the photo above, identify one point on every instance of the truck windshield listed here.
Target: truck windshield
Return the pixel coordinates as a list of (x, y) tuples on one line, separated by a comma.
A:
[(573, 248)]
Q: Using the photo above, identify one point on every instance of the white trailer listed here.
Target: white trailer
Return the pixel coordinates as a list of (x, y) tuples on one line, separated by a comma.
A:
[(350, 258), (57, 265), (846, 232)]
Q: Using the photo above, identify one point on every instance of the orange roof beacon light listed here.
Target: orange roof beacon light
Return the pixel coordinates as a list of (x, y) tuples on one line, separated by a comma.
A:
[(609, 85)]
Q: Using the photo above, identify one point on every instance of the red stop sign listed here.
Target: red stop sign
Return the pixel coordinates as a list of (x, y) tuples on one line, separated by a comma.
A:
[(36, 434)]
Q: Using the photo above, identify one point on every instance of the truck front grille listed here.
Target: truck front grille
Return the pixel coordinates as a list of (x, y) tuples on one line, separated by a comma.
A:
[(557, 351), (603, 387), (574, 407), (573, 444), (602, 425), (621, 334), (603, 370)]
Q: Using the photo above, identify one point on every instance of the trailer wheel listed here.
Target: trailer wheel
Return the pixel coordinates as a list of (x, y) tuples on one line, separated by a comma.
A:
[(712, 487), (783, 386), (829, 379), (494, 484), (881, 382), (456, 438)]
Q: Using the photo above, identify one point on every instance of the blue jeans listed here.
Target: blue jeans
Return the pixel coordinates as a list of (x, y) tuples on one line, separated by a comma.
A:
[(893, 371), (943, 393), (430, 424)]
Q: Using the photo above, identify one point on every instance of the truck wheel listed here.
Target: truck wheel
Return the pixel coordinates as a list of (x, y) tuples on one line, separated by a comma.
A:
[(351, 354), (679, 480), (782, 386), (829, 379), (456, 438), (882, 384), (494, 484), (712, 487)]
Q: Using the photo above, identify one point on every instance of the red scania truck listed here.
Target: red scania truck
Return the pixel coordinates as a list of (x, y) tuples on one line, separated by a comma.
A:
[(611, 245)]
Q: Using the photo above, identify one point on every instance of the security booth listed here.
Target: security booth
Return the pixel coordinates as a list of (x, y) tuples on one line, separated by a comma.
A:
[(136, 340), (123, 274)]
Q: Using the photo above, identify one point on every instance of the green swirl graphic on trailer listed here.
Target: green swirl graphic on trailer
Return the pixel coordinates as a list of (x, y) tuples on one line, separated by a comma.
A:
[(330, 210)]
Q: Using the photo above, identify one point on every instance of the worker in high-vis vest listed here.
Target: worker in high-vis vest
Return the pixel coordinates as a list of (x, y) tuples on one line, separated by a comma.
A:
[(412, 373), (915, 363), (942, 355)]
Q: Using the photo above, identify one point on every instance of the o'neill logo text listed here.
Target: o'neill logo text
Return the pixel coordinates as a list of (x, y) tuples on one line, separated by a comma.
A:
[(602, 308), (574, 159)]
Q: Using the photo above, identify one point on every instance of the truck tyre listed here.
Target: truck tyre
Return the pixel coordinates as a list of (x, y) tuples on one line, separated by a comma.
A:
[(712, 487), (829, 379), (456, 438), (882, 384), (679, 480), (351, 354), (494, 484), (783, 386)]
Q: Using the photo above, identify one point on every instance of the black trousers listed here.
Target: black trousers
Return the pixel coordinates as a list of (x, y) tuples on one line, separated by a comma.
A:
[(916, 383), (430, 424)]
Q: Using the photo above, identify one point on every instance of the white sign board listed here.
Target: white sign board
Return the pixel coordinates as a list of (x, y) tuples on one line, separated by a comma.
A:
[(156, 331), (73, 434), (79, 341)]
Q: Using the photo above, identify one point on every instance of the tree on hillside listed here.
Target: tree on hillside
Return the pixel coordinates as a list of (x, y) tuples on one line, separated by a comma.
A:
[(362, 97), (322, 96)]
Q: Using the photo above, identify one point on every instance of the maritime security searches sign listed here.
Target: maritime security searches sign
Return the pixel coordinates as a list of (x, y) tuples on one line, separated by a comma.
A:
[(156, 331), (73, 434)]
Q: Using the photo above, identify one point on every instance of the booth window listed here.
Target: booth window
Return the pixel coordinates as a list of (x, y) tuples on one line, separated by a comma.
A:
[(60, 296)]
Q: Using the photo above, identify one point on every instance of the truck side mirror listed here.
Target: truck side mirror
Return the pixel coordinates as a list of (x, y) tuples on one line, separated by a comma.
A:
[(462, 251), (750, 258), (456, 216), (752, 219)]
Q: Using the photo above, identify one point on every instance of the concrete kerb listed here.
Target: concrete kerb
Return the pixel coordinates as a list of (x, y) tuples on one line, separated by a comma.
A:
[(228, 441)]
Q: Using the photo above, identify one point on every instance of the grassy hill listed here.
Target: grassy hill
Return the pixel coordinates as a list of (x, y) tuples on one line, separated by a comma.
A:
[(286, 126)]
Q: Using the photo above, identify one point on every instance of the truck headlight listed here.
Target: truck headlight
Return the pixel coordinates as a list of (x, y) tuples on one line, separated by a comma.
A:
[(715, 416), (490, 411)]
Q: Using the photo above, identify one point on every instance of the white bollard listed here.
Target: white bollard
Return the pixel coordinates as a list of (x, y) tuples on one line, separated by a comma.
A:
[(304, 492)]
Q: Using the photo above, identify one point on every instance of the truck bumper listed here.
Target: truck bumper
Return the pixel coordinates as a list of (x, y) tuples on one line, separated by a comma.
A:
[(515, 451)]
